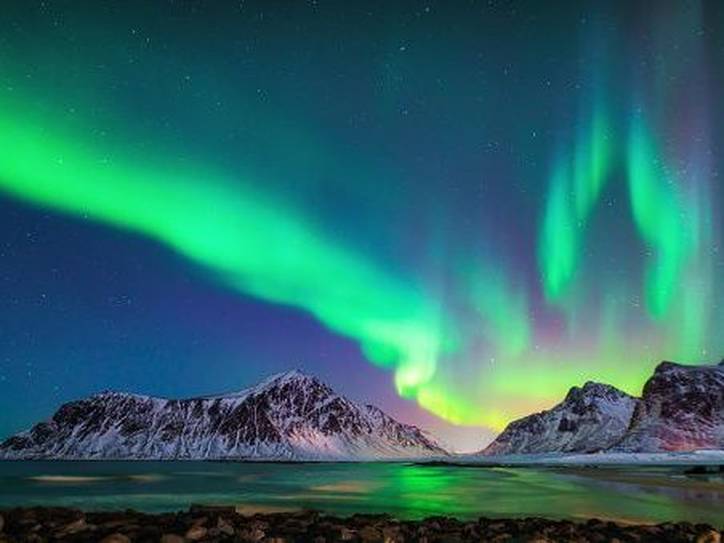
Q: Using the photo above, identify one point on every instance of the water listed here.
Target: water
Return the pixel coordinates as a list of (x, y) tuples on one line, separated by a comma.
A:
[(634, 494)]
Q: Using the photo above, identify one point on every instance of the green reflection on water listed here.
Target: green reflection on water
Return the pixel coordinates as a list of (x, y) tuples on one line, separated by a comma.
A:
[(403, 490)]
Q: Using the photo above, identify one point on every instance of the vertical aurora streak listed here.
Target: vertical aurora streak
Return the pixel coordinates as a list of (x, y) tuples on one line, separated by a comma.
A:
[(576, 184), (661, 219)]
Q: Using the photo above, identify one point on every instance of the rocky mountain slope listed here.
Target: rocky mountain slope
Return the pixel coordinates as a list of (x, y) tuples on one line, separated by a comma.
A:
[(681, 409), (589, 419), (289, 416)]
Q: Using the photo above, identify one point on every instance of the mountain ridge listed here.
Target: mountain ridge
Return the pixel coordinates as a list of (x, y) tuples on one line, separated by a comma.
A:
[(590, 418), (288, 416), (681, 409)]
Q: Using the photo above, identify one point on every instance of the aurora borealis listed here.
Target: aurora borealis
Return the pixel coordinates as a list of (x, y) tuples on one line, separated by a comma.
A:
[(457, 210)]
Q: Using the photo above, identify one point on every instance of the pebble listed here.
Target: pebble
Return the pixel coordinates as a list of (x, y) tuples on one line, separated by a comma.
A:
[(116, 538), (224, 527), (71, 528), (368, 534), (196, 532), (710, 536)]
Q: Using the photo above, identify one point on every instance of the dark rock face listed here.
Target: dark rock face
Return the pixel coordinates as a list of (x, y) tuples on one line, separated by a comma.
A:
[(681, 409), (289, 416), (589, 419), (225, 524)]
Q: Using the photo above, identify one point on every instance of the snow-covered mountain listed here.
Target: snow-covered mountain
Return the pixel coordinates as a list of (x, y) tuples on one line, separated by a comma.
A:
[(589, 419), (290, 416), (681, 409)]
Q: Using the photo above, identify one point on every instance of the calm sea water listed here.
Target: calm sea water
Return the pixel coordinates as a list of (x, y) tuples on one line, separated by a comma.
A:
[(403, 490)]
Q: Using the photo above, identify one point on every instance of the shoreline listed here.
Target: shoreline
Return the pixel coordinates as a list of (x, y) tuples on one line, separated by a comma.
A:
[(701, 457), (225, 523)]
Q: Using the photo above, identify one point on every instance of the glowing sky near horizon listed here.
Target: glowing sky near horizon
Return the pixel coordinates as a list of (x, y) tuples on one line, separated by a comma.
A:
[(487, 240)]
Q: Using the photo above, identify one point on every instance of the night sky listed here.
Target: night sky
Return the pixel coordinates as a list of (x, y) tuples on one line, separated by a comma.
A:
[(453, 210)]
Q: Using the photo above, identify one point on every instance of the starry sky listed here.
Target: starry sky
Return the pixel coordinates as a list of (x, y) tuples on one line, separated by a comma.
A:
[(453, 210)]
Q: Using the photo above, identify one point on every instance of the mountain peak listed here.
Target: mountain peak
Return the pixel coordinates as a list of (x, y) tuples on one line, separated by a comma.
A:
[(590, 418), (681, 409), (275, 380), (295, 379), (666, 365), (288, 376), (592, 389), (115, 394)]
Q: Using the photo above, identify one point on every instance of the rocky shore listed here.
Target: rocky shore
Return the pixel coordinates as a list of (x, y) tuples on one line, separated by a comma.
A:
[(203, 523)]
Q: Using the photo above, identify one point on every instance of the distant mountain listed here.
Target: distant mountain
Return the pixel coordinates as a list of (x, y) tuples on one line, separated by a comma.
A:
[(290, 416), (681, 409), (589, 419)]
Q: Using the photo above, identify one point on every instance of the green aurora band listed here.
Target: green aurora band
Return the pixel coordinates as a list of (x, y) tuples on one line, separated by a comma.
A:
[(264, 249), (253, 245)]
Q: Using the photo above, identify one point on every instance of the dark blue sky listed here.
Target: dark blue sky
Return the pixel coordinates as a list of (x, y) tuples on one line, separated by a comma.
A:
[(536, 190)]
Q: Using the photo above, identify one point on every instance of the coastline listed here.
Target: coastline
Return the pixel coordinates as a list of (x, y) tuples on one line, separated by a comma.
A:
[(226, 523), (703, 457), (700, 457)]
